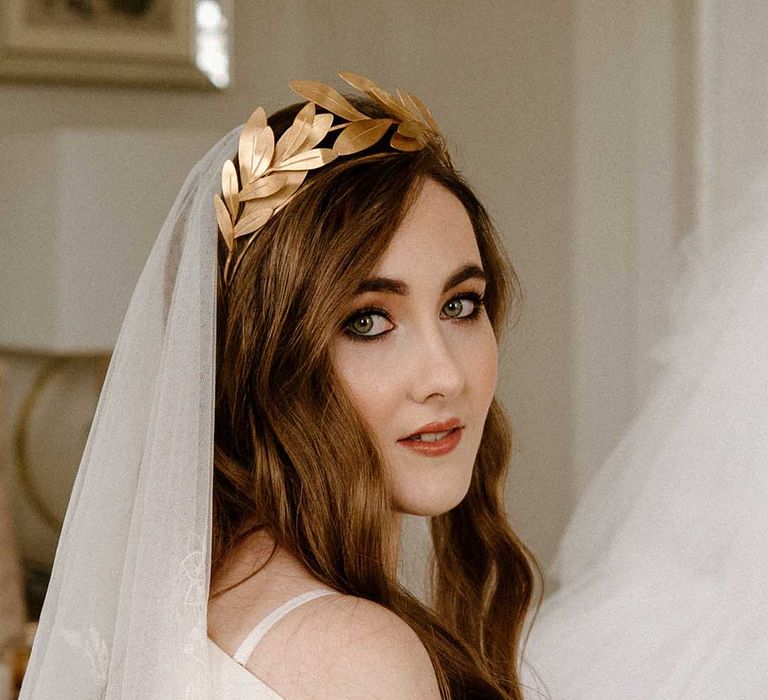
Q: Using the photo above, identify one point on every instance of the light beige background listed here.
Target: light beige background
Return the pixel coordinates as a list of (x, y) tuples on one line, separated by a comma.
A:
[(578, 122)]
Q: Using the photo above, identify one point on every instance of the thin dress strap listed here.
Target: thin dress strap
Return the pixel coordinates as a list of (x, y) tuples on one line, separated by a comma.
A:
[(247, 646)]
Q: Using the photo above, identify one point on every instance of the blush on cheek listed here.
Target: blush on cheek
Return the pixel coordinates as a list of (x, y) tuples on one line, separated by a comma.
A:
[(486, 366)]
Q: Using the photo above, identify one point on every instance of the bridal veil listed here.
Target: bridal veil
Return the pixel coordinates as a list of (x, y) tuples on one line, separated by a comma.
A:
[(126, 609)]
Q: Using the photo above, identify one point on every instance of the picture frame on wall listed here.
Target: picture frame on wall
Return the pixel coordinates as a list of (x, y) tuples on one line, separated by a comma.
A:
[(157, 43)]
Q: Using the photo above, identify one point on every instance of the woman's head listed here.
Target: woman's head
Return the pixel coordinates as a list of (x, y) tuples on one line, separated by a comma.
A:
[(308, 413), (294, 342)]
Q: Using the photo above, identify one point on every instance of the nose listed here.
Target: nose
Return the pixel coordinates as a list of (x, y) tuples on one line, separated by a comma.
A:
[(436, 369)]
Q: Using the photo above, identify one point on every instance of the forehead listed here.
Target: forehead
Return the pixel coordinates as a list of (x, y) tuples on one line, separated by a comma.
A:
[(435, 236)]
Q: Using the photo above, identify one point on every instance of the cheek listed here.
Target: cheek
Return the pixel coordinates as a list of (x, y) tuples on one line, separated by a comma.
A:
[(371, 384), (481, 366), (490, 368)]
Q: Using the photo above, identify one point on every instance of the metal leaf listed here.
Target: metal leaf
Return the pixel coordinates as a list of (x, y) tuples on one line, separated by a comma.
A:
[(309, 160), (326, 97), (276, 200), (360, 135), (263, 151), (245, 150), (411, 129), (389, 103), (404, 143), (357, 81), (225, 223), (422, 108), (296, 134), (320, 128), (230, 186), (253, 218), (263, 187)]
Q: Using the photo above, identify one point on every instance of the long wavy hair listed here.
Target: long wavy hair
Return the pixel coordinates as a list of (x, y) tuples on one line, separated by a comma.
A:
[(292, 454)]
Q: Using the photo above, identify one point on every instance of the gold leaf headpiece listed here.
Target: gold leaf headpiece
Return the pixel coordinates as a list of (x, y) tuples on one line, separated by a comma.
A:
[(271, 173)]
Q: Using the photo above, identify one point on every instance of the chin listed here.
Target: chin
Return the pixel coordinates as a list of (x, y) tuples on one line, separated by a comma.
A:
[(437, 505)]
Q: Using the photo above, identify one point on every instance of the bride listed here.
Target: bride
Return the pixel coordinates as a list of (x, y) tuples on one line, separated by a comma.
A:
[(309, 354)]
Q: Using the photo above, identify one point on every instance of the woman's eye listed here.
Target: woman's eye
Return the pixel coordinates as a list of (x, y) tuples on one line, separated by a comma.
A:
[(457, 305), (363, 324), (360, 325)]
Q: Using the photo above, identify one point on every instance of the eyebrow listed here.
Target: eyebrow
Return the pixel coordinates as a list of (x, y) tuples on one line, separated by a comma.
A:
[(387, 284)]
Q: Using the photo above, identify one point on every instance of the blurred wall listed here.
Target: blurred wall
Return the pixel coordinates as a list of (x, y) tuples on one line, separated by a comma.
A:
[(632, 202)]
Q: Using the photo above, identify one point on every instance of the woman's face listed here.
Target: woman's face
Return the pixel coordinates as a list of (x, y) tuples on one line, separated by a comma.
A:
[(427, 356)]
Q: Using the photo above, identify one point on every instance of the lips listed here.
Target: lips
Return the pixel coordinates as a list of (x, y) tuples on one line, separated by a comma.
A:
[(435, 427), (434, 448)]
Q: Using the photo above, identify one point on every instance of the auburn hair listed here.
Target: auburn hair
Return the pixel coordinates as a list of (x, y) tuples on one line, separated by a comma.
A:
[(291, 453)]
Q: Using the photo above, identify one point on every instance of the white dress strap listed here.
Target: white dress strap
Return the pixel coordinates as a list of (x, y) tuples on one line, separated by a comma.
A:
[(247, 646)]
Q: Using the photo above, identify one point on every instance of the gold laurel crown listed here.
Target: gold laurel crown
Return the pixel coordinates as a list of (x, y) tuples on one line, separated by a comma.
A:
[(271, 173)]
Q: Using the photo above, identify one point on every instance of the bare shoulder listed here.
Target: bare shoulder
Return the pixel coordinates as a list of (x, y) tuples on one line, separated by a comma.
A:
[(345, 647)]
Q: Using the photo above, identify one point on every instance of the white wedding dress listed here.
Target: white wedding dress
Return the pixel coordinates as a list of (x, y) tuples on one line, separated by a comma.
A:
[(663, 569), (229, 678)]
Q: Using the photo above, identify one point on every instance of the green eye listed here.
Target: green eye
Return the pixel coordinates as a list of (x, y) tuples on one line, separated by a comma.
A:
[(358, 325), (458, 306), (363, 324)]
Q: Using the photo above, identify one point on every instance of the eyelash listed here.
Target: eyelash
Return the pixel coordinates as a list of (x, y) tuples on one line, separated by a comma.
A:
[(477, 299)]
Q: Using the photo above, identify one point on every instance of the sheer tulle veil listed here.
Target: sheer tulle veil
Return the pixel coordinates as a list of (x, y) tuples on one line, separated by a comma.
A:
[(662, 568), (125, 615)]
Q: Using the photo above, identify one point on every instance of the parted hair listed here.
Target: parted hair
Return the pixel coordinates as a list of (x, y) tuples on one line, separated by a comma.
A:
[(292, 454)]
